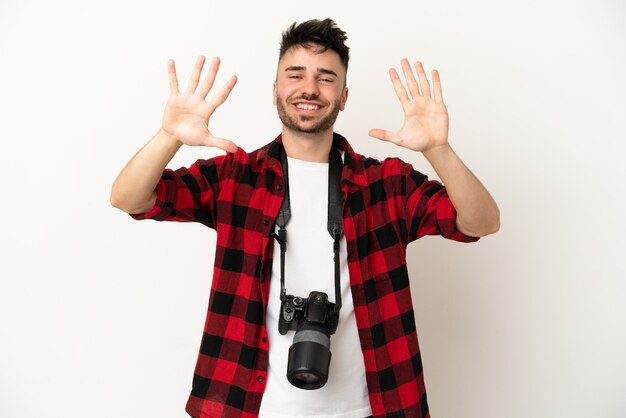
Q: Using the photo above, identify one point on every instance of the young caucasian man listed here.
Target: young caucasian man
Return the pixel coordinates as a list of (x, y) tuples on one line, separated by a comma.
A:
[(278, 313)]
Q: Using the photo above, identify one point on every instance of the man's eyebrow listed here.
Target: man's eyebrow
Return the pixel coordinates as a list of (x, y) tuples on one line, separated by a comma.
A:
[(319, 70), (295, 68), (327, 71)]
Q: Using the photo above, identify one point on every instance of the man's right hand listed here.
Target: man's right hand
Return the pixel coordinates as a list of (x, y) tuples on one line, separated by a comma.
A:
[(187, 114), (185, 121)]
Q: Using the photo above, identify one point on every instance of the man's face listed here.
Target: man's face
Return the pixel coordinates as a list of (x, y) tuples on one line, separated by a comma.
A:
[(309, 90)]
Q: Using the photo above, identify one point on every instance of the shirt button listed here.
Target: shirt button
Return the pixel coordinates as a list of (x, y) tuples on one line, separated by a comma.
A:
[(259, 378), (264, 339), (266, 222), (279, 187)]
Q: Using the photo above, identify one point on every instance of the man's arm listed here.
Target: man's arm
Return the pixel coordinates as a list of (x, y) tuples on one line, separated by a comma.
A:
[(185, 121), (134, 188), (425, 129), (477, 212)]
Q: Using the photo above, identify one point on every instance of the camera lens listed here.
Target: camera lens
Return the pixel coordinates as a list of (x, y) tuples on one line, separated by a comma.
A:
[(308, 378), (309, 356)]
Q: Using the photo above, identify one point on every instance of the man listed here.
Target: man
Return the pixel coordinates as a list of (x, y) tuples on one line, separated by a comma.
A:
[(376, 365)]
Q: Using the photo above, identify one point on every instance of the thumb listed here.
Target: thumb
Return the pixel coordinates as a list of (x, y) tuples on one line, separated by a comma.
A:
[(221, 143), (381, 134)]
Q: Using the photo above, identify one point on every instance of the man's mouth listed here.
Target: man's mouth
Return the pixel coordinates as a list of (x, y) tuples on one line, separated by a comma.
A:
[(307, 106)]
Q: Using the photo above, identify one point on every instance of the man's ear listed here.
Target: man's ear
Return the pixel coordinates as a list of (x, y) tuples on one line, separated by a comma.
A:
[(274, 99), (344, 99)]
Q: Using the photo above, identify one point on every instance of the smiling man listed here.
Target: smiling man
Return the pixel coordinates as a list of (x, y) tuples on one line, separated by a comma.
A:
[(277, 317), (312, 83)]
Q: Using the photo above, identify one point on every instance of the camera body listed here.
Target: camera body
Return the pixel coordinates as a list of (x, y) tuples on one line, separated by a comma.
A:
[(314, 319), (295, 310)]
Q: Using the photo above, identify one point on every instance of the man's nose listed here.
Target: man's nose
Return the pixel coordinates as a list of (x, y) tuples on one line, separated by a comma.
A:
[(310, 89)]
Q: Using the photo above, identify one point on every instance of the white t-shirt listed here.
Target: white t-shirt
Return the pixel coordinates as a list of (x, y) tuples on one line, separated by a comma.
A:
[(309, 266)]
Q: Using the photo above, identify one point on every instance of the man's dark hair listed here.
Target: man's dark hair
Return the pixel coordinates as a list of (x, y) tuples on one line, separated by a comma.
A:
[(324, 33)]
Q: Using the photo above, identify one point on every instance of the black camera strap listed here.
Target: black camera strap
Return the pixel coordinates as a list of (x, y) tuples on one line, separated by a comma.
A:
[(334, 224)]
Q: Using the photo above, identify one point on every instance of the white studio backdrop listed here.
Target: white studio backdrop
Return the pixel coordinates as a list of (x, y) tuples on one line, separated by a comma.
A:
[(102, 316)]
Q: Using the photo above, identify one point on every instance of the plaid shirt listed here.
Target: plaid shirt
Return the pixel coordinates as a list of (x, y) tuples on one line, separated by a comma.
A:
[(387, 205)]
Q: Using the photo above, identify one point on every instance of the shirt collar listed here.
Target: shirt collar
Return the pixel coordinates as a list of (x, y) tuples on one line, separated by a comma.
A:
[(353, 169)]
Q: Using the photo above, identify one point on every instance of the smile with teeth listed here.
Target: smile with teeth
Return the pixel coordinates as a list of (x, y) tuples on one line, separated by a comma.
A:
[(307, 106)]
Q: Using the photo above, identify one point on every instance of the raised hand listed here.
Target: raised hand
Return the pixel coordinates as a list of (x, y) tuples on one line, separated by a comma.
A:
[(187, 114), (425, 124)]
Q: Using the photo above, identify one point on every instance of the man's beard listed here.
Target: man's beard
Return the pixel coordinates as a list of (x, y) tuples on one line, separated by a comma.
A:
[(294, 122)]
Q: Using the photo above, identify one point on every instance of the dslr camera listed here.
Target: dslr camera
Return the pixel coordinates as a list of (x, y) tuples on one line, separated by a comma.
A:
[(314, 319)]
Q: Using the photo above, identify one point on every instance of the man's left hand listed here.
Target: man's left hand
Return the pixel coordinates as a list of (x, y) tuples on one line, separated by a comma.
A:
[(425, 115)]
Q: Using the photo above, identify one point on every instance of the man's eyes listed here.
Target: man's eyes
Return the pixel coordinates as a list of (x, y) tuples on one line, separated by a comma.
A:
[(325, 80)]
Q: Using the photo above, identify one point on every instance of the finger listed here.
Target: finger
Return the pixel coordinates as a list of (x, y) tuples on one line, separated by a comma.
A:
[(223, 94), (437, 86), (398, 86), (221, 143), (195, 75), (381, 134), (425, 86), (410, 79), (171, 74), (209, 79)]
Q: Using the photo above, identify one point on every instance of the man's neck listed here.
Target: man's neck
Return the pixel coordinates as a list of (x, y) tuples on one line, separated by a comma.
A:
[(308, 147)]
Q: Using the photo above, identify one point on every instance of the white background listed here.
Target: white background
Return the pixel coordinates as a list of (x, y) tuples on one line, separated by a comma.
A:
[(102, 316)]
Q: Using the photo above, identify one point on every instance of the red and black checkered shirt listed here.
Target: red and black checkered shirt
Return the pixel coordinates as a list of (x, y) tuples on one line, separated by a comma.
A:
[(387, 205)]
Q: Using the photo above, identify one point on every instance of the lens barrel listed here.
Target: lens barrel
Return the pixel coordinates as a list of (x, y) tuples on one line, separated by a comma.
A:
[(309, 356)]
